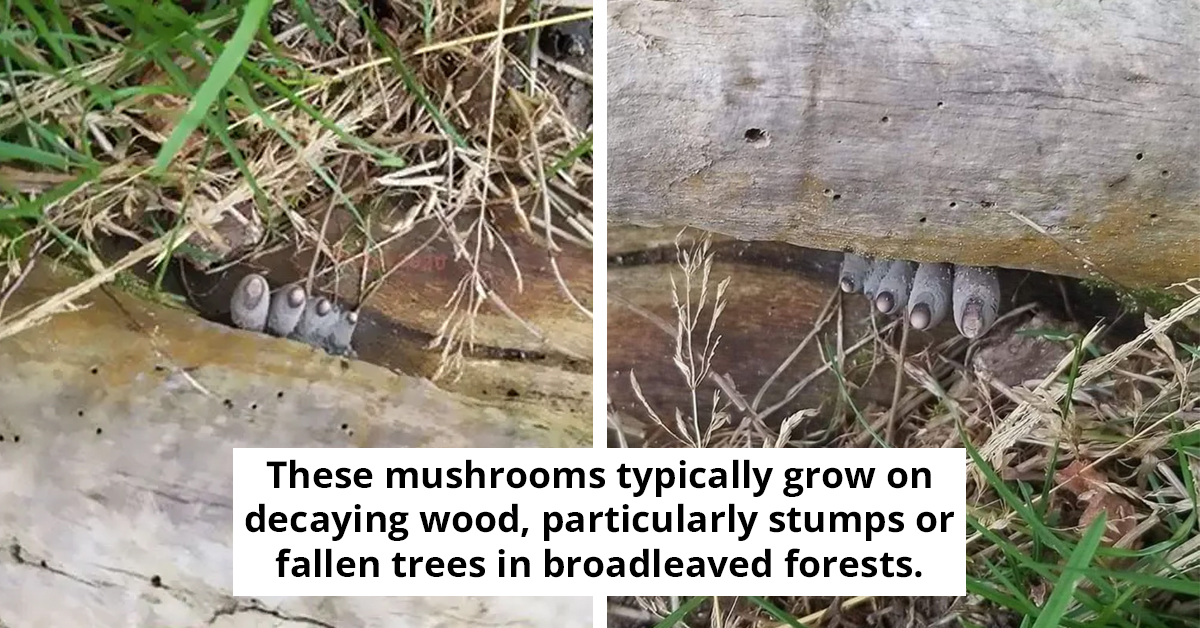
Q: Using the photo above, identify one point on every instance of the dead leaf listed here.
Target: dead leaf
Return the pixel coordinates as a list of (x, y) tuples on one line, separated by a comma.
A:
[(1038, 593), (1091, 487)]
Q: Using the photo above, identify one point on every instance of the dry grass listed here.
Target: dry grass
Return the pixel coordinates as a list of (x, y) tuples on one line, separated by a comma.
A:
[(1113, 430), (430, 116)]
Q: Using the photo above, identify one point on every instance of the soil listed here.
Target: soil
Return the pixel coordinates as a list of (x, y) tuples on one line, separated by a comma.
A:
[(570, 44)]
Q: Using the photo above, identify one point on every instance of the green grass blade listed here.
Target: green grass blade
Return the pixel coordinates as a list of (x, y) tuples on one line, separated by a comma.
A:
[(1185, 470), (670, 620), (35, 208), (52, 140), (1178, 537), (304, 10), (582, 148), (978, 587), (217, 126), (223, 70), (1015, 591), (1076, 359), (1064, 589), (427, 20), (411, 83), (43, 30), (1045, 534), (844, 392), (242, 92), (53, 39), (10, 152), (383, 156), (1180, 584)]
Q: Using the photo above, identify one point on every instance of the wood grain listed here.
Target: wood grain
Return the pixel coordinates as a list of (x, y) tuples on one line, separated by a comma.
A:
[(1058, 137), (116, 435)]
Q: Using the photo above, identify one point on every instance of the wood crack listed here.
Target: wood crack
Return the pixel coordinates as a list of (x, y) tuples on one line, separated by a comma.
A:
[(236, 607), (18, 555)]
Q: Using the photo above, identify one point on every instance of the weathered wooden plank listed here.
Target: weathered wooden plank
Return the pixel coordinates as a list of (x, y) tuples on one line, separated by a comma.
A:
[(909, 129), (116, 432)]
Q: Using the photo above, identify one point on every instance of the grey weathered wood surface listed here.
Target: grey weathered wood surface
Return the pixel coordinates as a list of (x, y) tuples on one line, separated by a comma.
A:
[(117, 426), (923, 130)]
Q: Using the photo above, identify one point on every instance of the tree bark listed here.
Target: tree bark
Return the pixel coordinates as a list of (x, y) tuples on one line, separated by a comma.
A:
[(116, 436), (1060, 137)]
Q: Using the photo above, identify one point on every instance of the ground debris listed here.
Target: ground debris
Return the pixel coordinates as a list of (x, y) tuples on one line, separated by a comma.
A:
[(1028, 354), (1091, 486)]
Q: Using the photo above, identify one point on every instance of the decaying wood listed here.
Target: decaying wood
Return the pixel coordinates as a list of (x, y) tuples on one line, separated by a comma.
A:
[(1059, 137), (775, 296), (536, 352), (116, 432)]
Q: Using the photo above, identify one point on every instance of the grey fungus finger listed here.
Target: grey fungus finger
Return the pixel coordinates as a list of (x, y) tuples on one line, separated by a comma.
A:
[(342, 333), (317, 322), (976, 299), (930, 300), (855, 269), (879, 268), (891, 296), (250, 301), (287, 307)]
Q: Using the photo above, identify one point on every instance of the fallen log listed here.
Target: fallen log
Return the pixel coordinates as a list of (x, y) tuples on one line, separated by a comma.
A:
[(1058, 137), (116, 437)]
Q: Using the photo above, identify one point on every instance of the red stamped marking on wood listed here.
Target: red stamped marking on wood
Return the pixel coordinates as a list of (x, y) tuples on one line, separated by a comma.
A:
[(428, 262)]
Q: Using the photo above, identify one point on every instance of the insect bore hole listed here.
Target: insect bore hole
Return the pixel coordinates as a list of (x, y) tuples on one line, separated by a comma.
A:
[(757, 136)]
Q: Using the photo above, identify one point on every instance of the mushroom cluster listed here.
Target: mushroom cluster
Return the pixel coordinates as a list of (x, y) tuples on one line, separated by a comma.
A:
[(289, 312), (926, 292)]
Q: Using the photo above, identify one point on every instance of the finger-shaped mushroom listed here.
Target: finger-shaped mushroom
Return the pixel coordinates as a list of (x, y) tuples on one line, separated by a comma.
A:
[(287, 307), (342, 334), (892, 295), (250, 301), (976, 299), (855, 269), (930, 300), (317, 322), (879, 268)]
